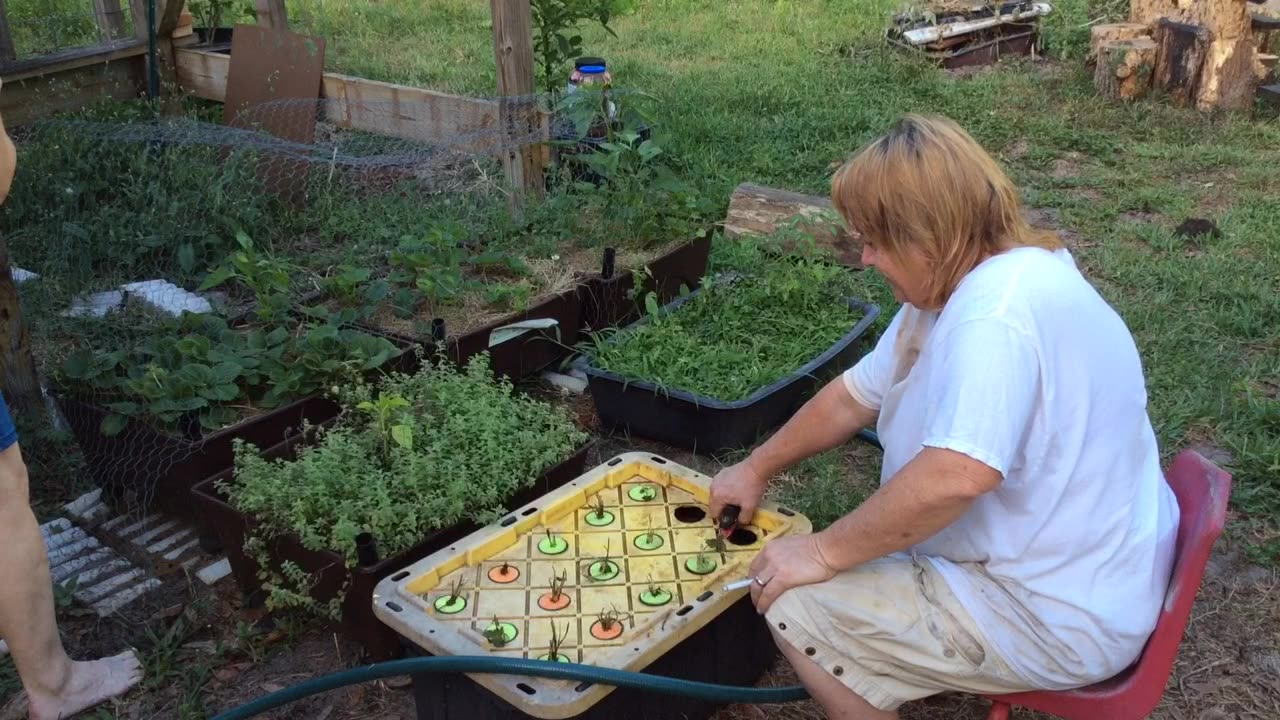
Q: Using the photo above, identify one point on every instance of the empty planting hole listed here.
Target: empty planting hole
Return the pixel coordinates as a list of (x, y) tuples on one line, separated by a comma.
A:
[(690, 514), (510, 520), (614, 461), (582, 686), (529, 512), (703, 597), (394, 606), (400, 576), (684, 610), (742, 536), (525, 689)]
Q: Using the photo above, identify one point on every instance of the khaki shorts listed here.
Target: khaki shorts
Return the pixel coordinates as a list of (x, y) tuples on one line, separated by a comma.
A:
[(891, 631)]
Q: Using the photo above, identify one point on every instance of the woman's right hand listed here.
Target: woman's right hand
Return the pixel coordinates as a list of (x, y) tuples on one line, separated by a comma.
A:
[(739, 484)]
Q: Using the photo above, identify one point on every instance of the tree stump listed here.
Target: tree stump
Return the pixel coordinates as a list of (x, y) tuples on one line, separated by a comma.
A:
[(1180, 59), (1124, 68), (1102, 34)]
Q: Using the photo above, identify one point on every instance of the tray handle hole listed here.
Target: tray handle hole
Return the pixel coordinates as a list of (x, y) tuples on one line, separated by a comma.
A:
[(614, 461), (525, 689), (400, 576), (704, 596), (395, 607), (529, 511), (684, 610), (507, 521), (690, 513), (660, 461), (787, 512), (582, 686)]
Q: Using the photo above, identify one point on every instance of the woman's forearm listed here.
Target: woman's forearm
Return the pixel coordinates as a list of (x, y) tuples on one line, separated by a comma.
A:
[(830, 418), (928, 494)]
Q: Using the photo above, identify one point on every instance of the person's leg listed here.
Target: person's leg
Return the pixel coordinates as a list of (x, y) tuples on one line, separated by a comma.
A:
[(837, 700), (56, 686)]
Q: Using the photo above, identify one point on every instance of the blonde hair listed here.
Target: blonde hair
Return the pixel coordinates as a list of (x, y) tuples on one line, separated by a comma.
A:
[(928, 185)]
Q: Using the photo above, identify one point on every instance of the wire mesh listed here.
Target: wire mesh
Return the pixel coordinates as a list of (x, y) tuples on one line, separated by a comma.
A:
[(188, 282)]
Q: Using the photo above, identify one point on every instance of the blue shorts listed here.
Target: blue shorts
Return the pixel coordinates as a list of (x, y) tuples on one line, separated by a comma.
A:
[(8, 433)]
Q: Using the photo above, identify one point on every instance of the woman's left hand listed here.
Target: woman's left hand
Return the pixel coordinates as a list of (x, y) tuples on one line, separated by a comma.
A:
[(786, 562)]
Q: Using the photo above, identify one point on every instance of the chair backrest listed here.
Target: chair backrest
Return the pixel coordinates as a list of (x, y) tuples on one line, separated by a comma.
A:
[(1202, 490)]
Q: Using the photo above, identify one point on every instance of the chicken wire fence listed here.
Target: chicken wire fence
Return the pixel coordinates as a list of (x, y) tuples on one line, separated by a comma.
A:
[(186, 282)]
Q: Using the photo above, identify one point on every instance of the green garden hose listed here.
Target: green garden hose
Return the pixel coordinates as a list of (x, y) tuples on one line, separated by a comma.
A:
[(517, 666)]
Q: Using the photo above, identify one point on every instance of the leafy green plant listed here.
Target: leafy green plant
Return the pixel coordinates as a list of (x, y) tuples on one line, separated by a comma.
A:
[(757, 318), (555, 36), (266, 276), (200, 368), (468, 442)]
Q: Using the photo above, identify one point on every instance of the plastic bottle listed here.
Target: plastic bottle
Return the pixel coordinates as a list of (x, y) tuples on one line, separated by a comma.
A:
[(593, 71)]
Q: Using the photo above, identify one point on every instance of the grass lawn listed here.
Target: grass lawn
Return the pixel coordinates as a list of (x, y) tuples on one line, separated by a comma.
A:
[(777, 92)]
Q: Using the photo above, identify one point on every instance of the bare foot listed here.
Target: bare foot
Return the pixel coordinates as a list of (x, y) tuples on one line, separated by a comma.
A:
[(88, 684)]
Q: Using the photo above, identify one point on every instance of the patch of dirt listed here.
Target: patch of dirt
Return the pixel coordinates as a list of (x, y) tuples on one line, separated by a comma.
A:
[(1050, 219), (1139, 217), (1018, 150), (1067, 166)]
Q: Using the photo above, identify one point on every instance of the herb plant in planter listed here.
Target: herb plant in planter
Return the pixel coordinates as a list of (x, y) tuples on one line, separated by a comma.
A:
[(718, 367), (411, 465)]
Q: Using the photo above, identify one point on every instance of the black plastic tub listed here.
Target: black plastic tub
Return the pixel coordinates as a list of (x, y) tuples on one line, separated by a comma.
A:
[(327, 567), (612, 298), (734, 649), (708, 425)]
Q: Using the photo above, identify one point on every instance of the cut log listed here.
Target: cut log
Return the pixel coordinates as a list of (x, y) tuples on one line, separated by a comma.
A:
[(1102, 34), (757, 209), (1179, 60), (1124, 68)]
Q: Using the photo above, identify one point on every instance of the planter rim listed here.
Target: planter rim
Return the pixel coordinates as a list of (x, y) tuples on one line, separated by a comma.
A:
[(870, 311), (205, 488)]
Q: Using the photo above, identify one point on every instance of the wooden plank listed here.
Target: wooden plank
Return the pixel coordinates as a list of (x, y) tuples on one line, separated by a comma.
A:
[(272, 14), (138, 8), (399, 111), (39, 96), (110, 18), (759, 209), (513, 50), (273, 86), (65, 60), (203, 73)]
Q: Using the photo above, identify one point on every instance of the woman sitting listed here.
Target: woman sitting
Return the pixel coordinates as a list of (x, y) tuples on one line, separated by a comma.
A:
[(1023, 533)]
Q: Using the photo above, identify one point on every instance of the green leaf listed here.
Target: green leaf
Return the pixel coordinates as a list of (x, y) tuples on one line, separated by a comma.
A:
[(113, 424), (79, 364), (403, 435), (216, 278), (186, 256)]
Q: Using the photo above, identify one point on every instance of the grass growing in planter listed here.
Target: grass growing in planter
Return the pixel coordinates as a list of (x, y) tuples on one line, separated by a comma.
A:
[(416, 454), (757, 319)]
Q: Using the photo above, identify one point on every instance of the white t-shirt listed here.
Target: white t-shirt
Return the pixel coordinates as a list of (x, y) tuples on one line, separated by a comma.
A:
[(1027, 369)]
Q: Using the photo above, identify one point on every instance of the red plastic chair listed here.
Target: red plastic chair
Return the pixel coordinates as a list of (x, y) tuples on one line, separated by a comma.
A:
[(1202, 490)]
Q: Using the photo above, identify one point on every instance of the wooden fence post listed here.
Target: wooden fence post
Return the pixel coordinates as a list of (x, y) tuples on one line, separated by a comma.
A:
[(518, 110), (110, 19), (272, 14), (7, 50)]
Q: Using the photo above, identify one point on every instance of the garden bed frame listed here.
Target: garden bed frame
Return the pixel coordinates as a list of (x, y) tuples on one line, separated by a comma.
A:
[(358, 621)]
